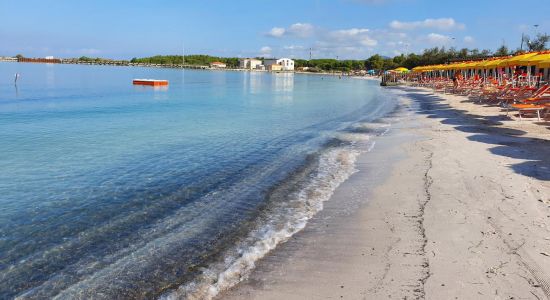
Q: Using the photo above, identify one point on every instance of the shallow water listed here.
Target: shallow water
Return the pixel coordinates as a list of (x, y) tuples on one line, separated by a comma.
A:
[(109, 189)]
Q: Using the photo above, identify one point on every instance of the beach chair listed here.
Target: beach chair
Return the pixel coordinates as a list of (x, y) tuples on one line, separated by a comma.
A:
[(516, 95), (501, 91), (526, 110), (540, 95), (538, 104)]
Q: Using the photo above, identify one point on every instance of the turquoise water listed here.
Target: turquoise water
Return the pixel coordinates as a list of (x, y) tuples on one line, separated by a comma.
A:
[(110, 190)]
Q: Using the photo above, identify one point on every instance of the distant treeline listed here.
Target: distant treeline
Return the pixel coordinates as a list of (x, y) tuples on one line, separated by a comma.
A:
[(427, 57), (202, 60), (325, 64), (376, 62), (431, 56)]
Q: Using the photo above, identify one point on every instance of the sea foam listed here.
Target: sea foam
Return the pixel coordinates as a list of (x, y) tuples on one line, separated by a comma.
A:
[(283, 219)]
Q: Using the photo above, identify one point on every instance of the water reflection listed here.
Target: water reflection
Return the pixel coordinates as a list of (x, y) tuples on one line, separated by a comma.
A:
[(50, 75), (158, 88), (255, 84), (159, 92), (283, 87), (283, 82)]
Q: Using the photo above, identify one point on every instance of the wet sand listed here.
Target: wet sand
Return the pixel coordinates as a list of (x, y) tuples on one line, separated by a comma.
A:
[(452, 203)]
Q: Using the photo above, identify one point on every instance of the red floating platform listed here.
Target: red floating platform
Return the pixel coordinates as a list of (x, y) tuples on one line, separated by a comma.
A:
[(151, 82)]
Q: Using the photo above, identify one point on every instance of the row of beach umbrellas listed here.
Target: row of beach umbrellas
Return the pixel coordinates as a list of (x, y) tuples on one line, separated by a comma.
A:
[(539, 59)]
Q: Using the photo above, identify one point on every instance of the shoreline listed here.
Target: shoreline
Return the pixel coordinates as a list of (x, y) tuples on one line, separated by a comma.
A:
[(206, 68), (290, 204), (451, 204), (160, 250)]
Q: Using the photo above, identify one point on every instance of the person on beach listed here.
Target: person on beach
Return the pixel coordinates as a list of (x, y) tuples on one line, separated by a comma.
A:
[(456, 78)]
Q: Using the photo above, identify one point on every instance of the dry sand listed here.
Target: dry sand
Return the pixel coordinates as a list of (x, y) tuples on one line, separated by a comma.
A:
[(453, 203)]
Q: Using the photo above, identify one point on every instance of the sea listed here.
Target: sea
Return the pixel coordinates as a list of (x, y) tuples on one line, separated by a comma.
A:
[(110, 190)]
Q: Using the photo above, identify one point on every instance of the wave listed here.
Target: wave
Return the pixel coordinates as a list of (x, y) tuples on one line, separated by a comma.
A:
[(291, 205)]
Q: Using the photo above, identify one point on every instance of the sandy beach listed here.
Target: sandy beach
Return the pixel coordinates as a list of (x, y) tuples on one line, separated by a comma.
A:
[(452, 203)]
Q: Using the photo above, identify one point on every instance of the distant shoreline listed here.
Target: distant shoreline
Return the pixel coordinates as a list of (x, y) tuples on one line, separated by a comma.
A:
[(200, 67)]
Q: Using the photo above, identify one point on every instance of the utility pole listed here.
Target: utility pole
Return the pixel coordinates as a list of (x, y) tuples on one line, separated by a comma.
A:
[(310, 53)]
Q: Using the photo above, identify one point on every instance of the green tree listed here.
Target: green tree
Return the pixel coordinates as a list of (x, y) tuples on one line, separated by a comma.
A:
[(539, 43), (502, 51), (375, 62), (485, 52), (463, 53), (399, 60), (389, 64), (474, 52)]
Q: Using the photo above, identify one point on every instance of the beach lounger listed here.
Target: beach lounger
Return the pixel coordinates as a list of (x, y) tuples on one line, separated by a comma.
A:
[(540, 95), (516, 95), (525, 110)]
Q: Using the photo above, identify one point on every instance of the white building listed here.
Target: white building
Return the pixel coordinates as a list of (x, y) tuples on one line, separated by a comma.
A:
[(249, 63), (286, 63), (8, 58), (218, 65)]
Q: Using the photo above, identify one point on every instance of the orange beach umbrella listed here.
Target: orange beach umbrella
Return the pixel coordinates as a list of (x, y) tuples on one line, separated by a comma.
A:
[(518, 59)]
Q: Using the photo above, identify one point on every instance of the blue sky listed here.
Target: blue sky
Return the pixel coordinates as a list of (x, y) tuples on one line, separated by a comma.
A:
[(331, 28)]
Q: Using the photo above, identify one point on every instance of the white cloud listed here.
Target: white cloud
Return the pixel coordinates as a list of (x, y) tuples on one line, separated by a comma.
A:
[(399, 37), (438, 39), (345, 43), (265, 51), (300, 30), (469, 40), (276, 32), (396, 52), (353, 37), (439, 24), (294, 47)]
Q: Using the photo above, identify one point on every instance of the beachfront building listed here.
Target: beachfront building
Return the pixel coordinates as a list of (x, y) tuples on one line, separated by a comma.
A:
[(218, 65), (8, 58), (286, 64), (249, 63), (274, 67)]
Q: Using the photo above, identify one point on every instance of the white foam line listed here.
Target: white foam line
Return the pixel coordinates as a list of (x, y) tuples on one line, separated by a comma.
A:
[(335, 166)]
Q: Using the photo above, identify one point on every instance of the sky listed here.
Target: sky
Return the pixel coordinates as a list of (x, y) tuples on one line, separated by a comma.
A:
[(343, 29)]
